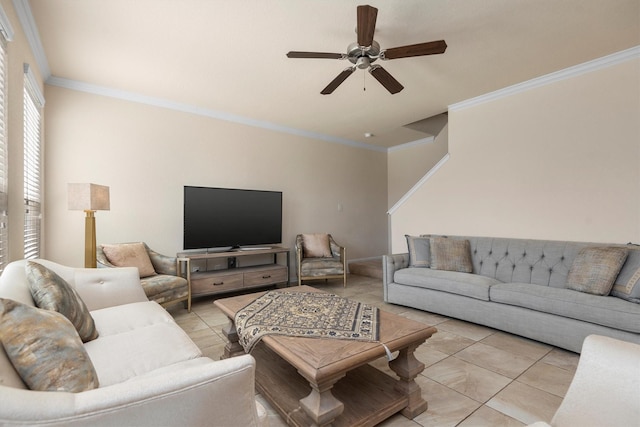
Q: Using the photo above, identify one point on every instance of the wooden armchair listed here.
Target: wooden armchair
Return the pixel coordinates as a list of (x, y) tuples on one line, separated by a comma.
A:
[(158, 273), (318, 256)]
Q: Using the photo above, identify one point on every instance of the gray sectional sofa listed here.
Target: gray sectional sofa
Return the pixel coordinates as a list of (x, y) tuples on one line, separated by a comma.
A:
[(520, 286)]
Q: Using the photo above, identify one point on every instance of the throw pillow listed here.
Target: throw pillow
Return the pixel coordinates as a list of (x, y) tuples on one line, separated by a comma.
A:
[(52, 292), (130, 255), (316, 245), (595, 269), (419, 253), (45, 349), (627, 284), (450, 254)]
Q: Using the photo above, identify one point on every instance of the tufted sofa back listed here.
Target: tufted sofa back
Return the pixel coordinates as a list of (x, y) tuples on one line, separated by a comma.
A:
[(541, 262)]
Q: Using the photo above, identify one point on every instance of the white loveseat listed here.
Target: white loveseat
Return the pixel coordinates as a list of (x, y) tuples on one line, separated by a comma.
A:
[(149, 370)]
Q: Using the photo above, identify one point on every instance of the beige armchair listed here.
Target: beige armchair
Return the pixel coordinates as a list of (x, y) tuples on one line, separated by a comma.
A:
[(605, 390), (318, 257), (158, 273)]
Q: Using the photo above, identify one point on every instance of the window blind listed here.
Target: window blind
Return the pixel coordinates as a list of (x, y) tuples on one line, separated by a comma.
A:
[(4, 235), (33, 103)]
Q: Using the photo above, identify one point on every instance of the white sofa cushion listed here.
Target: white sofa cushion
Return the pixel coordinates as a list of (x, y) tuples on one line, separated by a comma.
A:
[(143, 336)]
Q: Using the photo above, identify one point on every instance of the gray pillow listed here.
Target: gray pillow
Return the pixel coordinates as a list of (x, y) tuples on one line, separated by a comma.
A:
[(52, 292), (451, 254), (419, 253), (45, 349), (627, 284), (595, 269)]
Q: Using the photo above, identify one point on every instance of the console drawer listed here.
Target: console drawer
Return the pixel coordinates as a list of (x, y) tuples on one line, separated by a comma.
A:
[(206, 283), (266, 276)]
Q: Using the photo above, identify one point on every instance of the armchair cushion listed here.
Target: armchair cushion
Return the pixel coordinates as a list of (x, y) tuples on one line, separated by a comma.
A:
[(318, 267), (130, 255), (52, 292), (45, 349), (316, 245)]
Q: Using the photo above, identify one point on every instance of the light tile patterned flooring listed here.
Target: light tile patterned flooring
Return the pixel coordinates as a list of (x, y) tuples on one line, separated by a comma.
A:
[(474, 375)]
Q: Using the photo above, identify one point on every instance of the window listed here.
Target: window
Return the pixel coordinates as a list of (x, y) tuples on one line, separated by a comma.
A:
[(33, 103), (6, 35)]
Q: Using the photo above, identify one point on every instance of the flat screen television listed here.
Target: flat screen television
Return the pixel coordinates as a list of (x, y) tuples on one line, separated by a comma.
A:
[(226, 218)]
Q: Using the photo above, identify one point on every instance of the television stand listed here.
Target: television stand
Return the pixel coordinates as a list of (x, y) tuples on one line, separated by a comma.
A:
[(233, 276)]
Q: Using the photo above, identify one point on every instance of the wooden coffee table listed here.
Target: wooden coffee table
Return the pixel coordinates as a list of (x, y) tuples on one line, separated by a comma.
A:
[(317, 381)]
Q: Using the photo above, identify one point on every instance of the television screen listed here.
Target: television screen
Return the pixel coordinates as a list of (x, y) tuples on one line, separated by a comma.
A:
[(230, 218)]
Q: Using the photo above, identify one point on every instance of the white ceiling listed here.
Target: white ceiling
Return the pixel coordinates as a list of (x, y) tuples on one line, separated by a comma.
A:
[(228, 56)]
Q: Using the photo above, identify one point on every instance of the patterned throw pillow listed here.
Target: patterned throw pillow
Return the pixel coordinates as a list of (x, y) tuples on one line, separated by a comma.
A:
[(627, 284), (52, 292), (316, 246), (130, 255), (595, 269), (451, 254), (45, 349), (419, 253)]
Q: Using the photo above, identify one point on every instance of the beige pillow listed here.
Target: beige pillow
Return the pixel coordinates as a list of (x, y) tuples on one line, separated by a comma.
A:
[(45, 349), (450, 254), (595, 269), (316, 245), (130, 255), (51, 292)]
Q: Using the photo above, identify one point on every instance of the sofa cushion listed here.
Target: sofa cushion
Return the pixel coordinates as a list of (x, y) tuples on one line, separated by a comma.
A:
[(595, 269), (316, 245), (45, 349), (602, 310), (419, 251), (627, 284), (130, 255), (470, 285), (450, 254), (143, 336), (52, 292)]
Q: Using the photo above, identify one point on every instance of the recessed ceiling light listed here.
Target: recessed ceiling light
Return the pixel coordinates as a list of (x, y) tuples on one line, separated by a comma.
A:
[(368, 135)]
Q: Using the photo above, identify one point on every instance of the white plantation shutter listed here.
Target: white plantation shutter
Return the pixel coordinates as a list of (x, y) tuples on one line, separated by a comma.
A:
[(4, 235), (33, 103)]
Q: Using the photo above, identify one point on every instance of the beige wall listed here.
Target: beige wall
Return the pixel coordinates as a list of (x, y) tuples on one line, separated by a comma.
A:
[(406, 166), (147, 154), (560, 161)]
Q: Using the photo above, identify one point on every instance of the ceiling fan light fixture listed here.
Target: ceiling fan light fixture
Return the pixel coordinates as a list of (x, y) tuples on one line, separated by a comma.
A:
[(363, 62)]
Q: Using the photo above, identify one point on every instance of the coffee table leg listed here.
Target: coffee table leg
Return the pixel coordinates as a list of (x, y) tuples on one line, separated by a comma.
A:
[(408, 367), (233, 347), (321, 405)]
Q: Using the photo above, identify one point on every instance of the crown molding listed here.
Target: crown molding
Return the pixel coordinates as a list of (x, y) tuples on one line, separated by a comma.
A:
[(587, 67), (23, 10), (186, 108)]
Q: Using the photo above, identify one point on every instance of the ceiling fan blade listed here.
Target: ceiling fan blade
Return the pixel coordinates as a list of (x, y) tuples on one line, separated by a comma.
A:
[(420, 49), (366, 25), (385, 79), (321, 55), (338, 81)]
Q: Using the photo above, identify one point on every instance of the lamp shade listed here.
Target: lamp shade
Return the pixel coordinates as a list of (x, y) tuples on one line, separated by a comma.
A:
[(88, 197)]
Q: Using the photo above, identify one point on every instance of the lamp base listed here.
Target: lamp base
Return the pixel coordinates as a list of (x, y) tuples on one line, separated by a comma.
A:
[(90, 240)]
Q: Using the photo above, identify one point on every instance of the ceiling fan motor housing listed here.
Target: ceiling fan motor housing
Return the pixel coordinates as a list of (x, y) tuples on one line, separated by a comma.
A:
[(363, 56)]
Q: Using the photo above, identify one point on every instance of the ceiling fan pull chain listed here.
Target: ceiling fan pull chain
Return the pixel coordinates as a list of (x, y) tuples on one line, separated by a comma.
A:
[(364, 82)]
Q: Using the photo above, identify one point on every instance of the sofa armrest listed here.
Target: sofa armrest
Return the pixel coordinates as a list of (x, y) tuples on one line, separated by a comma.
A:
[(390, 264), (201, 393), (108, 287), (604, 390)]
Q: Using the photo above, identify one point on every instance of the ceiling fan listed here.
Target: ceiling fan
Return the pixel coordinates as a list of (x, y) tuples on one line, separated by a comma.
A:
[(363, 53)]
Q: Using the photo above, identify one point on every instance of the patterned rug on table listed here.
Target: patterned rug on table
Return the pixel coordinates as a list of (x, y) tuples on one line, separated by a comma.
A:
[(306, 314)]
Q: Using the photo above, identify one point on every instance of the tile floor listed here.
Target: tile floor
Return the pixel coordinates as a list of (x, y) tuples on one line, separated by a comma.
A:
[(474, 375)]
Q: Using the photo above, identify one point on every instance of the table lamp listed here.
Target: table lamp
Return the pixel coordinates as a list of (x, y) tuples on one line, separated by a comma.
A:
[(89, 198)]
